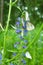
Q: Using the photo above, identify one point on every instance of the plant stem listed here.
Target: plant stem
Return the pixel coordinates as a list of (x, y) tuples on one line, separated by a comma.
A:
[(6, 29)]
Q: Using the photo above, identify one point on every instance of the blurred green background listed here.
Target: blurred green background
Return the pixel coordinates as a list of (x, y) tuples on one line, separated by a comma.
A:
[(35, 10)]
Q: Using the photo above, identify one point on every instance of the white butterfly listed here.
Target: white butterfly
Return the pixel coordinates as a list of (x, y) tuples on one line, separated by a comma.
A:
[(27, 54), (29, 26)]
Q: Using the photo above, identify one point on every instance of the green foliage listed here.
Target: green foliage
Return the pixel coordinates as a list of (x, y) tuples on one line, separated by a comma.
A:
[(9, 38), (34, 46)]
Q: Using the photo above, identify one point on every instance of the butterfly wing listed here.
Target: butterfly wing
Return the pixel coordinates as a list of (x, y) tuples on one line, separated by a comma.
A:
[(28, 55), (30, 26)]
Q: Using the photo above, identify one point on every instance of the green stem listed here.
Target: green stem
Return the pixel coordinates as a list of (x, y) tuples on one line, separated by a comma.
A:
[(6, 29), (8, 16), (13, 3)]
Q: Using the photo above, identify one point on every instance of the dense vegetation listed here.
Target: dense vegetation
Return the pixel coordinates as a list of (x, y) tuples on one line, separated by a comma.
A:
[(13, 45)]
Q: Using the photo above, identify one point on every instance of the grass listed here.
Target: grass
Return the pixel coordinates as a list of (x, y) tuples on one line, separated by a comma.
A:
[(34, 47)]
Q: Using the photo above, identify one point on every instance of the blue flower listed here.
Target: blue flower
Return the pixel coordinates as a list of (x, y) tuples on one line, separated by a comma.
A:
[(17, 23), (18, 31), (24, 27), (24, 62), (21, 37), (25, 31), (24, 46), (0, 57)]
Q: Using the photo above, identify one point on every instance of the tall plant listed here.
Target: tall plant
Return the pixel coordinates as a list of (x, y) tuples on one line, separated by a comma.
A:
[(6, 29)]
